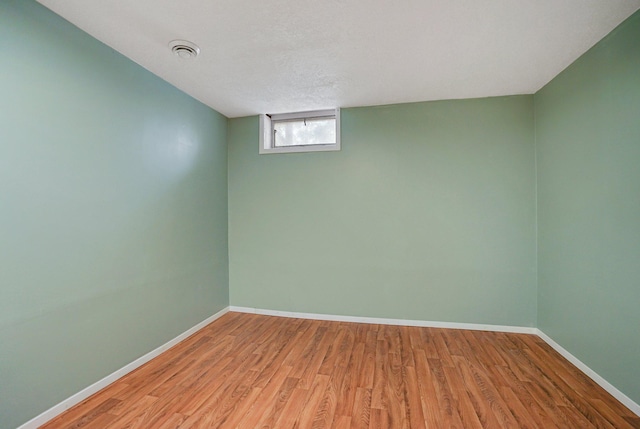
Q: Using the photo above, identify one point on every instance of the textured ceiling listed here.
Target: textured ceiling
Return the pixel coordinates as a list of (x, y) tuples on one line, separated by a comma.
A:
[(275, 56)]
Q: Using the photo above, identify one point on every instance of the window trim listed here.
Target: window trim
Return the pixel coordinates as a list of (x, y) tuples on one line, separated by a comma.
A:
[(266, 132)]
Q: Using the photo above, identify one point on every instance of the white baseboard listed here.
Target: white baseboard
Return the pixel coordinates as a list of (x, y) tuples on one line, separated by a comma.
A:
[(381, 321), (626, 401), (57, 409)]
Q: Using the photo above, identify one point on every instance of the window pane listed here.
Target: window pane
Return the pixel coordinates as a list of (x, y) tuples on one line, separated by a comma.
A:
[(301, 132)]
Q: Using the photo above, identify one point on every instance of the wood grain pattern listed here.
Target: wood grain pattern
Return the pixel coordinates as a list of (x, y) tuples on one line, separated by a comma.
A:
[(251, 371)]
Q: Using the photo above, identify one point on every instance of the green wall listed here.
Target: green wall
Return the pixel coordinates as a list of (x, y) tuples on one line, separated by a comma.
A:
[(113, 211), (428, 213), (588, 156)]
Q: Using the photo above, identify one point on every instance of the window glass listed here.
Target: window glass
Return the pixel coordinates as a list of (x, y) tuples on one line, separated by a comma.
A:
[(311, 131), (302, 132)]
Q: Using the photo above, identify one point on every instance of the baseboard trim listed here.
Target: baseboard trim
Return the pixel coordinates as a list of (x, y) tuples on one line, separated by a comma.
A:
[(624, 399), (383, 321), (63, 406)]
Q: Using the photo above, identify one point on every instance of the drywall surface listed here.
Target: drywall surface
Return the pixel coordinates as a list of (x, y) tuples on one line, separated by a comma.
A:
[(427, 213), (113, 211), (588, 154)]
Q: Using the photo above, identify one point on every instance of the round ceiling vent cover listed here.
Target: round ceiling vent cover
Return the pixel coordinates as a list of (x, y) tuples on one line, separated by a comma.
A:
[(184, 49)]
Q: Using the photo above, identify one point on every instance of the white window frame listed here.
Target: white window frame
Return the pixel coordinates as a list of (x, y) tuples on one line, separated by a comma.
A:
[(266, 132)]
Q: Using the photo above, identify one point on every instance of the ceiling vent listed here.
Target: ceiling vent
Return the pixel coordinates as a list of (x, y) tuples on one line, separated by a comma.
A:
[(184, 49)]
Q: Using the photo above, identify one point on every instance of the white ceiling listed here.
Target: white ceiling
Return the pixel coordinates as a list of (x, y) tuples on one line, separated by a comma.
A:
[(273, 56)]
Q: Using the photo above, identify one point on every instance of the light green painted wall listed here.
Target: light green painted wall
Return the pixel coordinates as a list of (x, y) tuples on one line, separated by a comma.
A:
[(588, 154), (113, 211), (427, 213)]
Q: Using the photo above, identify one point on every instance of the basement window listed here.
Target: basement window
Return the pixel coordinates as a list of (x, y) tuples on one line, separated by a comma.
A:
[(300, 132)]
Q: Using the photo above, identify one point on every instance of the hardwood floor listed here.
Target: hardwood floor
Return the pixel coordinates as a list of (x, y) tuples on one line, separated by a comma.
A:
[(251, 371)]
